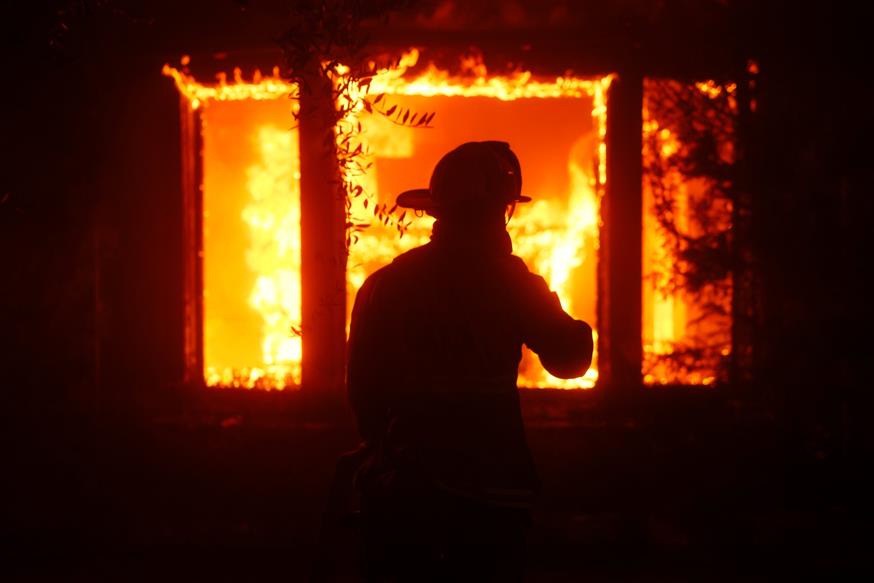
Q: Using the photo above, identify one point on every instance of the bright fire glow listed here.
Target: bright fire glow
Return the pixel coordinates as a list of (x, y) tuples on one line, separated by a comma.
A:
[(557, 235), (672, 320), (251, 231), (273, 217), (251, 344), (260, 88)]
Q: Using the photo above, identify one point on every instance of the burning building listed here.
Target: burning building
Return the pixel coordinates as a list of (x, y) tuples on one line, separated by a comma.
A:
[(177, 248), (242, 154)]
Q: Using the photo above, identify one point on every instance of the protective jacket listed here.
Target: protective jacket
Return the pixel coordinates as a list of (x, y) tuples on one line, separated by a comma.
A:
[(435, 345)]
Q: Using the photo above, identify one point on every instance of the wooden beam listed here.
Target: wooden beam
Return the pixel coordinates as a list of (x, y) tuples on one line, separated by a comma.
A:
[(192, 241), (323, 247), (620, 268)]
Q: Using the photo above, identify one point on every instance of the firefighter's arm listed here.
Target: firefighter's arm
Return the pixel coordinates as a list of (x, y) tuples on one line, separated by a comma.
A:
[(563, 344)]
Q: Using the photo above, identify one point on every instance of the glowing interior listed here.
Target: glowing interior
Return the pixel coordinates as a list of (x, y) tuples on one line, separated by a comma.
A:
[(251, 191), (251, 244), (251, 220), (675, 321), (557, 140)]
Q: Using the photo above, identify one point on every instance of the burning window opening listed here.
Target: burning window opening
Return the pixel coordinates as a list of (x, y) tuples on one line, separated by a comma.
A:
[(251, 232), (688, 156), (251, 190), (557, 128)]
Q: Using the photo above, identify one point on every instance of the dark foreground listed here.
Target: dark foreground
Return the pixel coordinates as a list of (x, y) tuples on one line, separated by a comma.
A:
[(681, 487)]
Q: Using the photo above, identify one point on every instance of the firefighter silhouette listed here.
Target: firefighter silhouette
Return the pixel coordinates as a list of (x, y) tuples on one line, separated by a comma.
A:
[(446, 478)]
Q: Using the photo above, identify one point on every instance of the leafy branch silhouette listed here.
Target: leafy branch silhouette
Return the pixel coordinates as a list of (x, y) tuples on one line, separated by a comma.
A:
[(327, 35), (701, 120)]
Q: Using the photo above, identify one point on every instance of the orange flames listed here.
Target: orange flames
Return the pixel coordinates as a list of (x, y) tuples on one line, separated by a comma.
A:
[(675, 320), (260, 88), (252, 213), (556, 235), (251, 230)]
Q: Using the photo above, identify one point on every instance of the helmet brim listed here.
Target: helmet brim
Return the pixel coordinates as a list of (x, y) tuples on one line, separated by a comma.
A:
[(420, 199), (417, 199)]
